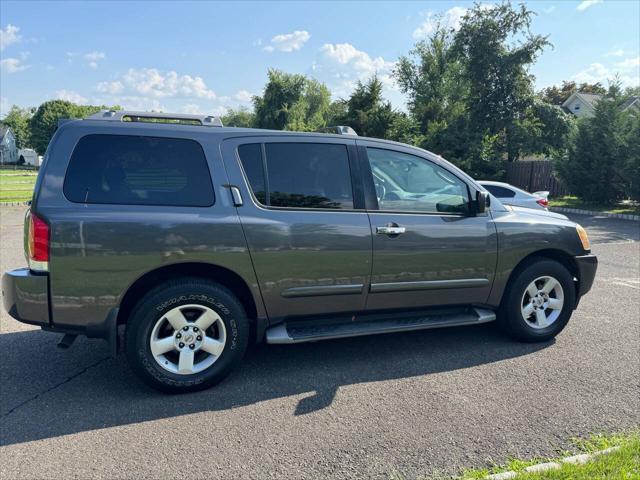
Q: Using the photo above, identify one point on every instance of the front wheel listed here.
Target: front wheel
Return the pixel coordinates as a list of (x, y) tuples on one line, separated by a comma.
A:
[(186, 335), (538, 302)]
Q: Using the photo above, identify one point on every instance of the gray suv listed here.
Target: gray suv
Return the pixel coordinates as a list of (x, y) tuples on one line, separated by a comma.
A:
[(197, 240)]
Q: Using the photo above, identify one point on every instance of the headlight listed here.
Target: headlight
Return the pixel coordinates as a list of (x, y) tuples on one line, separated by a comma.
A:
[(582, 233)]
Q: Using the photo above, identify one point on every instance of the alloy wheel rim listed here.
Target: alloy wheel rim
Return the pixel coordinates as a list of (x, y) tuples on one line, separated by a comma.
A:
[(188, 339), (542, 302)]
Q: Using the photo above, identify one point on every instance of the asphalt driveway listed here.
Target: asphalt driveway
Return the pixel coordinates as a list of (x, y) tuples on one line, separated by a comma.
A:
[(411, 404)]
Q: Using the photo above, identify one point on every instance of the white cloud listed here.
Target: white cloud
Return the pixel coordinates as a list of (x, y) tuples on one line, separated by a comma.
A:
[(92, 58), (586, 4), (549, 9), (12, 65), (4, 106), (288, 42), (110, 87), (9, 35), (628, 64), (192, 109), (615, 53), (450, 20), (70, 96), (596, 72), (243, 96), (347, 54), (342, 65), (154, 83)]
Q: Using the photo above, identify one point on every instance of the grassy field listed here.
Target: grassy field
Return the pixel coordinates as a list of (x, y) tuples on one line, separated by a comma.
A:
[(16, 185), (574, 202), (623, 463)]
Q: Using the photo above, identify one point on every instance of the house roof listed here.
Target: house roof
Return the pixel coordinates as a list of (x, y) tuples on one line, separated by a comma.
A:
[(3, 131), (589, 99), (630, 101)]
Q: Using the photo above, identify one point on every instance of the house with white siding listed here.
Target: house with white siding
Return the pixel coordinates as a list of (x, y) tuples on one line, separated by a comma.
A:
[(8, 150), (583, 104)]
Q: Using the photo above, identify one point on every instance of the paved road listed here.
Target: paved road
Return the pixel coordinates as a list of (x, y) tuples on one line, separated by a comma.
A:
[(410, 404)]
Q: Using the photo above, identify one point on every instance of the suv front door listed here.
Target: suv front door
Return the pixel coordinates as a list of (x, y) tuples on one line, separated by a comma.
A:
[(429, 246), (304, 220)]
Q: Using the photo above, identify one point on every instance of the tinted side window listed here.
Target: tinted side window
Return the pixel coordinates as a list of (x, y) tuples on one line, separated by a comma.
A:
[(412, 184), (300, 175), (251, 158), (500, 192), (135, 170)]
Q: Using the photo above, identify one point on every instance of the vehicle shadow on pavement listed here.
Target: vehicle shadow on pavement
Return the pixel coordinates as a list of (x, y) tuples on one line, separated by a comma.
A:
[(47, 392)]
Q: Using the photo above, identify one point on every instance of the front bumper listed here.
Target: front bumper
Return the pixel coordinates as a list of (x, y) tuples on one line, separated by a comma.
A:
[(587, 266), (25, 296)]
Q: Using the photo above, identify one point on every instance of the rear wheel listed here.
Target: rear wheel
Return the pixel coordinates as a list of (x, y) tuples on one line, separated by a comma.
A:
[(538, 302), (186, 335)]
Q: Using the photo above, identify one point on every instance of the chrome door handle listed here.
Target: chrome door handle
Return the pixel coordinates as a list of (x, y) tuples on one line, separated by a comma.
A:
[(390, 230)]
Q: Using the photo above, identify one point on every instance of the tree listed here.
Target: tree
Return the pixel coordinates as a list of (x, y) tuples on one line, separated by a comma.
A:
[(543, 129), (18, 120), (44, 121), (558, 95), (241, 117), (593, 168), (495, 48), (629, 168), (432, 80), (292, 102), (366, 111), (282, 92)]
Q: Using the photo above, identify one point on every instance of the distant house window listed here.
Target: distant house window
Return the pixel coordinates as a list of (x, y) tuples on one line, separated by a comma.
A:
[(576, 106)]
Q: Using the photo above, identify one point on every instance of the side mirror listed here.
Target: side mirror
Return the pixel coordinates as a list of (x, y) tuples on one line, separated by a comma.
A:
[(483, 201)]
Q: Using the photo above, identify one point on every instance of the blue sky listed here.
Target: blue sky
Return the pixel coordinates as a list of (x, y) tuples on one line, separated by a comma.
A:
[(209, 56)]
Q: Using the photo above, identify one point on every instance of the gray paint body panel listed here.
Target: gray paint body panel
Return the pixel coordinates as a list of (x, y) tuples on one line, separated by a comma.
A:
[(294, 261)]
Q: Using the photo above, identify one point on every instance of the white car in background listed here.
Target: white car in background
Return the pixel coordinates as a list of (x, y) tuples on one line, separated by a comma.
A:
[(514, 196)]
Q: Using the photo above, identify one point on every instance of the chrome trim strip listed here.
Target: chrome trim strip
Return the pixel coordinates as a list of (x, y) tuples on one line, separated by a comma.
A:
[(320, 290), (428, 285)]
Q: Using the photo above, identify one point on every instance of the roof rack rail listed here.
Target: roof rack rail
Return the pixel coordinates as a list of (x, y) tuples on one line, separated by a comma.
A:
[(339, 130), (154, 117)]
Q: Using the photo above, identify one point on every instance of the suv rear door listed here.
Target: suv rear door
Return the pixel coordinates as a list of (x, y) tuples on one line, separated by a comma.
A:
[(429, 247), (304, 219)]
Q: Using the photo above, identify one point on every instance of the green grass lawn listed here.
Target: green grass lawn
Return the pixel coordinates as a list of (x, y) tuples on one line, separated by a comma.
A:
[(574, 202), (16, 185), (623, 463)]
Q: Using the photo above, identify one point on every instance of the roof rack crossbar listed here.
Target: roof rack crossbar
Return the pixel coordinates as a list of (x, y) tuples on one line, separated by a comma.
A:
[(131, 116)]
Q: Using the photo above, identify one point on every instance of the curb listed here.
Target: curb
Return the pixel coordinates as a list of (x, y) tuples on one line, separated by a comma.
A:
[(543, 467), (620, 216), (15, 204)]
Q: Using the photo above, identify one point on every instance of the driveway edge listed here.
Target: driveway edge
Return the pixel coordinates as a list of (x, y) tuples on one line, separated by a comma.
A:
[(621, 216), (543, 467)]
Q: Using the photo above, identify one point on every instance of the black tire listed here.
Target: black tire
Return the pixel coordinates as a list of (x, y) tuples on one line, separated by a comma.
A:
[(510, 317), (156, 303)]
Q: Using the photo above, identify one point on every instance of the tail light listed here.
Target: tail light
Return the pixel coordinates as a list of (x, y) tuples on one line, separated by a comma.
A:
[(38, 244), (543, 202)]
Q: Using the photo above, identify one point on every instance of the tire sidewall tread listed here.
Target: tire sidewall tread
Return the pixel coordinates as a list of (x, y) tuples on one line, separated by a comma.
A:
[(509, 314), (172, 294)]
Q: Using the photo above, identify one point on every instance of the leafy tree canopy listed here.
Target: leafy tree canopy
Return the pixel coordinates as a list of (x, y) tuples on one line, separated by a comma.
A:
[(18, 120)]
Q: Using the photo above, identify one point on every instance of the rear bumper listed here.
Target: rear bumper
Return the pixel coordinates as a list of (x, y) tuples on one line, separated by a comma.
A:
[(587, 266), (25, 296)]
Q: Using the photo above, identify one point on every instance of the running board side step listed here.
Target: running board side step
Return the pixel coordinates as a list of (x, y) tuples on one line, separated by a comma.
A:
[(287, 334)]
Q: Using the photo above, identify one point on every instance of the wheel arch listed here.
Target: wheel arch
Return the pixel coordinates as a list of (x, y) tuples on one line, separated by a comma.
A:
[(229, 279), (560, 256)]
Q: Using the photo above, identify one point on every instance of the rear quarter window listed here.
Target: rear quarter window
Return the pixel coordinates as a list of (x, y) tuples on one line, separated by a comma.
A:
[(500, 192), (138, 170)]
